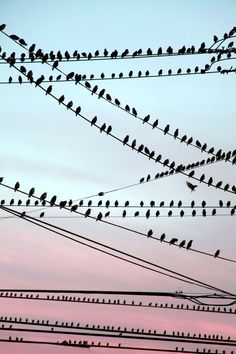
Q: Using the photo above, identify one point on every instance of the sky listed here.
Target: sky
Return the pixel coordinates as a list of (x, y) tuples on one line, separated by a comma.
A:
[(43, 145)]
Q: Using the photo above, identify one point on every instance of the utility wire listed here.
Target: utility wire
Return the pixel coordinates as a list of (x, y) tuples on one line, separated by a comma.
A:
[(148, 235), (173, 274)]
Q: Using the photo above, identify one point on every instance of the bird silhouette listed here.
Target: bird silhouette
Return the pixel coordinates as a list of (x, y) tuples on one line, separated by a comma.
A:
[(182, 244), (162, 237), (150, 233), (124, 214), (181, 213), (103, 127), (49, 90), (126, 139), (217, 253), (22, 42), (173, 241), (99, 216), (69, 105), (148, 214), (17, 186), (191, 186), (94, 120), (167, 128), (189, 244)]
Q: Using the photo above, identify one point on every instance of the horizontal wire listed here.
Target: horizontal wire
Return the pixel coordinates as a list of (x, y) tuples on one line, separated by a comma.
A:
[(99, 328), (105, 346), (216, 309), (122, 227), (124, 336), (221, 41), (128, 145), (176, 275)]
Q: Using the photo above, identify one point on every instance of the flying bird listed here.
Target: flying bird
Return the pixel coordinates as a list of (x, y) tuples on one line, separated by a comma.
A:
[(191, 186)]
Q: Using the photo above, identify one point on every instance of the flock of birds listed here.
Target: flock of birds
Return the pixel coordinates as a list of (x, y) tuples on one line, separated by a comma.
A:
[(78, 78)]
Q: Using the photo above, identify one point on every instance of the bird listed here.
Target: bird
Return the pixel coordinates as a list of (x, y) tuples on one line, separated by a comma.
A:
[(94, 120), (217, 253), (2, 27), (109, 129), (162, 237), (22, 41), (99, 216), (167, 128), (49, 90), (181, 213), (69, 105), (182, 244), (17, 186), (101, 93), (42, 215), (43, 196), (150, 233), (103, 127), (87, 213), (117, 102), (189, 244), (61, 99), (78, 110), (176, 133), (173, 241), (126, 139), (191, 186)]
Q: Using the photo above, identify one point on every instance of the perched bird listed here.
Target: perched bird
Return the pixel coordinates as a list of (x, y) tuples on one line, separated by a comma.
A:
[(99, 217), (49, 90), (117, 102), (217, 253), (22, 41), (43, 196), (162, 237), (191, 186), (103, 127), (155, 124), (189, 244), (94, 120), (176, 133), (167, 128), (182, 244), (87, 213), (150, 233), (42, 215), (126, 139), (2, 27), (101, 93), (17, 186), (78, 110), (69, 105), (173, 241)]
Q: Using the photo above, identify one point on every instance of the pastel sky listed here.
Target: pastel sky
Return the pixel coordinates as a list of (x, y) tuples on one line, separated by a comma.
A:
[(44, 145)]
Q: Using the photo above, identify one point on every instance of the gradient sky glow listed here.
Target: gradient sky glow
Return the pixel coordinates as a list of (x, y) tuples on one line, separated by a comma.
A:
[(44, 145)]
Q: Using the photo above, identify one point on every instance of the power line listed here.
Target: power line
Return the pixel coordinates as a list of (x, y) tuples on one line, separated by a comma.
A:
[(176, 275)]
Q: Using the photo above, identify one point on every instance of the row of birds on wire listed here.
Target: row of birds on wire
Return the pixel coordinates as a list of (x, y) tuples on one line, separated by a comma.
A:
[(106, 345), (146, 215), (87, 214), (69, 105), (121, 75), (118, 204), (115, 302), (127, 108), (115, 54), (133, 112), (107, 331)]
